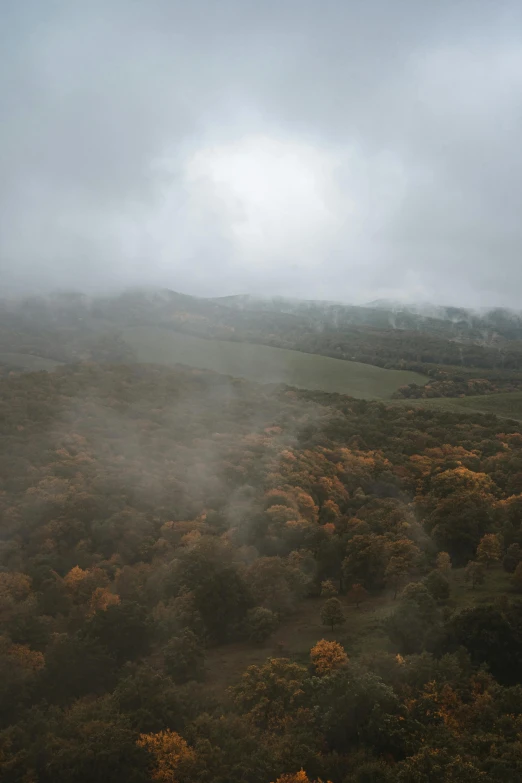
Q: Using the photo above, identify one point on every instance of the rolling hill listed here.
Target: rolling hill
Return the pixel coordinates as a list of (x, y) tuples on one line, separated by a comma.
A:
[(265, 364)]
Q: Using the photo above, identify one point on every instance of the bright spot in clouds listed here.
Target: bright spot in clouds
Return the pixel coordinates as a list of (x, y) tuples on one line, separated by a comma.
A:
[(273, 198), (269, 210)]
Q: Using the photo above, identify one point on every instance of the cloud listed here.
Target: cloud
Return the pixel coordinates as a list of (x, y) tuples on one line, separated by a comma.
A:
[(338, 150)]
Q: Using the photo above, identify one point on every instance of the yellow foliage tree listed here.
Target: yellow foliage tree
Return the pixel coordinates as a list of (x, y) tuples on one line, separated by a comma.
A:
[(101, 599), (489, 549), (328, 656), (74, 578), (30, 660), (443, 562), (14, 585), (294, 777), (297, 777), (169, 750)]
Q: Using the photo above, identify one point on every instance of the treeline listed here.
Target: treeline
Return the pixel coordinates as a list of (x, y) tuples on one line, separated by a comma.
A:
[(446, 384)]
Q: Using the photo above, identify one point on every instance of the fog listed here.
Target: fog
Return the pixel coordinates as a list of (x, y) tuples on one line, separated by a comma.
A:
[(338, 150)]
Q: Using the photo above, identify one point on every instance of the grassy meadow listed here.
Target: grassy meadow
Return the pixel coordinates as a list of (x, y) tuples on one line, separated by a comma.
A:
[(265, 364), (27, 361), (507, 406), (363, 631)]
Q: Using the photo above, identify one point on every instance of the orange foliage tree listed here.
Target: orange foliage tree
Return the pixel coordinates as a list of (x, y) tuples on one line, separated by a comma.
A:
[(296, 777), (327, 656), (170, 752)]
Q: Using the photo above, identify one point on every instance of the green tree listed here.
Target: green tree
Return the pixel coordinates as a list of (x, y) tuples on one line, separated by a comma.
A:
[(414, 619), (74, 667), (396, 572), (438, 586), (517, 578), (332, 613), (475, 573), (260, 624), (489, 549), (222, 599), (365, 561), (125, 630), (491, 636), (512, 558), (185, 657), (353, 707), (459, 509), (275, 584)]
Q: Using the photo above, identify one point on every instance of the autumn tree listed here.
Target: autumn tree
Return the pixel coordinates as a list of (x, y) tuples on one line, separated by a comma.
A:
[(170, 752), (296, 777), (458, 510), (489, 549), (268, 694), (475, 573), (328, 656), (432, 765), (332, 613), (443, 562), (328, 589), (101, 599), (357, 594)]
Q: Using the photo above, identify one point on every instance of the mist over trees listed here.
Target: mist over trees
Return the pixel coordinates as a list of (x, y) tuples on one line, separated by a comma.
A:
[(153, 517)]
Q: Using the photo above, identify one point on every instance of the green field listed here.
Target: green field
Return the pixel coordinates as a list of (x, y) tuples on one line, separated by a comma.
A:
[(507, 406), (27, 361), (265, 364)]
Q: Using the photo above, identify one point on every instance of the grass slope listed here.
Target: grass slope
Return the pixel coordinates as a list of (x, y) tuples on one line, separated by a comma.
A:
[(507, 406), (265, 364), (27, 361)]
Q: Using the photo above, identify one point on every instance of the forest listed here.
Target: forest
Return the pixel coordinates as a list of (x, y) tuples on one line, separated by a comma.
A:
[(154, 519)]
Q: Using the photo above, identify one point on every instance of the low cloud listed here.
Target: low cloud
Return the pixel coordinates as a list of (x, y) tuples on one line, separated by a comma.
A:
[(342, 151)]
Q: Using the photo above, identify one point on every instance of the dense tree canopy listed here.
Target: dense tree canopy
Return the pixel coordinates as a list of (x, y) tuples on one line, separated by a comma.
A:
[(151, 516)]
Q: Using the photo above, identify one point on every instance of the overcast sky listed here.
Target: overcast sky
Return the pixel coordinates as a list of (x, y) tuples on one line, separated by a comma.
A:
[(308, 148)]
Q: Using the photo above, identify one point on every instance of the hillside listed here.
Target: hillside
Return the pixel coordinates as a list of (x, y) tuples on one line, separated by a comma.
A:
[(64, 327), (266, 364)]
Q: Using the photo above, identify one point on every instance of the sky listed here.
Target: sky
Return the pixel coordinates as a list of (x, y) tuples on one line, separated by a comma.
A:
[(343, 150)]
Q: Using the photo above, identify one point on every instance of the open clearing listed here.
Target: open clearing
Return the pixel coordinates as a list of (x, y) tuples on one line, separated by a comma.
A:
[(27, 361), (507, 406), (362, 632), (265, 364)]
